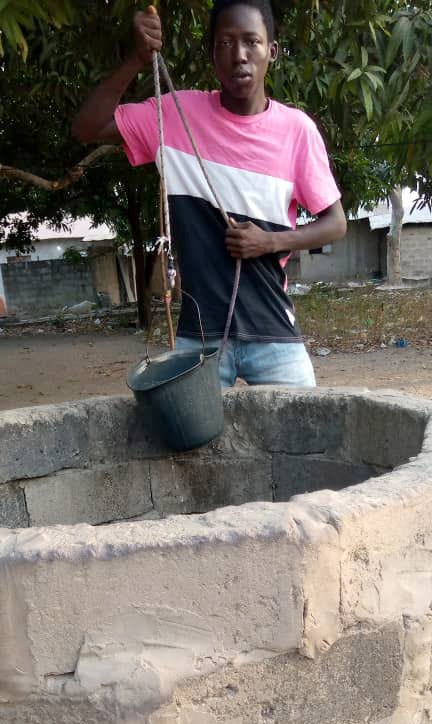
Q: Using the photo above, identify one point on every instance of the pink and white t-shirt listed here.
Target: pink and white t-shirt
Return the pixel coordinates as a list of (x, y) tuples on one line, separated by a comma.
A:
[(263, 166)]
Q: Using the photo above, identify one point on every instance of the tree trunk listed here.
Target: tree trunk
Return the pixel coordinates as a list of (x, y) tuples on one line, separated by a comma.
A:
[(394, 274), (143, 306), (143, 292)]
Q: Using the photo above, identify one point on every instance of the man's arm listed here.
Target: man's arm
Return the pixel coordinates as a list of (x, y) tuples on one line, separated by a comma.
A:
[(94, 121), (248, 241)]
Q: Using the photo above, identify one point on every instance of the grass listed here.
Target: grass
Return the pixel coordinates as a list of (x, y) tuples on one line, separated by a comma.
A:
[(342, 319), (364, 318)]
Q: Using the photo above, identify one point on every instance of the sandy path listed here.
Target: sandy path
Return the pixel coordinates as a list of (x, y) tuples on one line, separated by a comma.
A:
[(47, 368)]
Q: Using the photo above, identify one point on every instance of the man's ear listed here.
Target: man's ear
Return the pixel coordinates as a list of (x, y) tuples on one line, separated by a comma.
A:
[(274, 51)]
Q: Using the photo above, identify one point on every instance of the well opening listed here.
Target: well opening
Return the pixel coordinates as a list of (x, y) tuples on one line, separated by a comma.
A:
[(98, 462), (105, 622)]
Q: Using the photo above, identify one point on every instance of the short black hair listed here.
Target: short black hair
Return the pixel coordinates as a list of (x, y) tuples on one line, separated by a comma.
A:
[(264, 6)]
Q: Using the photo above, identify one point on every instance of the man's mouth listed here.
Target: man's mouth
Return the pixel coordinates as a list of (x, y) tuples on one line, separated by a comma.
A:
[(241, 75)]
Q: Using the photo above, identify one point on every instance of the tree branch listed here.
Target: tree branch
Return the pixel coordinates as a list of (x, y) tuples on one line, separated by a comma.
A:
[(72, 176)]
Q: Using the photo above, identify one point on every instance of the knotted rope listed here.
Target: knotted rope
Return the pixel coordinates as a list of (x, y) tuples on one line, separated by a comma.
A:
[(166, 242)]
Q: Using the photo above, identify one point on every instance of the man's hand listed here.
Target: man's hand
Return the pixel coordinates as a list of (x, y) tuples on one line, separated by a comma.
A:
[(247, 241), (147, 34)]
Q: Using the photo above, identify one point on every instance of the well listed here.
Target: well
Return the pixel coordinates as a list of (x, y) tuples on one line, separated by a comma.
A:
[(281, 574)]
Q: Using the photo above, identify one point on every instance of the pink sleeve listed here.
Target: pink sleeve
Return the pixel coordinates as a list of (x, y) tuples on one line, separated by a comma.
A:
[(315, 188), (137, 124)]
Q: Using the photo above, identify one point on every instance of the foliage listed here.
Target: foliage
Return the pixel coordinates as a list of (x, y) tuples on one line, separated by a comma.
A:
[(363, 70), (73, 256), (19, 17)]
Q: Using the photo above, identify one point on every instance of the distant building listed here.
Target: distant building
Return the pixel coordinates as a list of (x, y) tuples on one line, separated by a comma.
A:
[(362, 254), (42, 281)]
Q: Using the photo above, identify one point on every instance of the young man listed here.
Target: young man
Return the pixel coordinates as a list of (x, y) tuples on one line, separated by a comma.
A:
[(263, 158)]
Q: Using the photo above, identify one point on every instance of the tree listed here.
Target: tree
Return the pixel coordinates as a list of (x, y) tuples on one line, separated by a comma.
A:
[(18, 17), (363, 71), (46, 90)]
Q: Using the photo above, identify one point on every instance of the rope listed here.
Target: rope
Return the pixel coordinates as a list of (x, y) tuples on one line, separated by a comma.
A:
[(158, 94), (159, 61)]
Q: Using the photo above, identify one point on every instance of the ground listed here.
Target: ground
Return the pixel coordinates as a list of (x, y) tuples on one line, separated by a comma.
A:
[(357, 334), (43, 368)]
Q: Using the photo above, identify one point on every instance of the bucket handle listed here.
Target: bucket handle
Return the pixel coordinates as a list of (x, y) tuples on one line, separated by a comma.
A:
[(202, 355)]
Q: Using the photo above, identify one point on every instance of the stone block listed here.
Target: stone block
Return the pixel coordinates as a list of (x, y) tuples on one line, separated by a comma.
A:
[(13, 512), (295, 475), (150, 604), (384, 435), (193, 484), (120, 431), (297, 423), (94, 496), (38, 441), (357, 681)]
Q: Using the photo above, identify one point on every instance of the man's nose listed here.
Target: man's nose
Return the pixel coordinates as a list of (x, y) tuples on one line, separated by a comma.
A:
[(239, 52)]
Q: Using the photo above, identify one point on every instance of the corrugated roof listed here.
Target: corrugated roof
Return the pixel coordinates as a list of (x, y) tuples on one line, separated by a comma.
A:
[(380, 217), (80, 229)]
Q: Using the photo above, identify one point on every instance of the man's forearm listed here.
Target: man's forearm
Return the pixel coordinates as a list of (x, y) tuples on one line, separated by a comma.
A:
[(325, 230), (98, 110), (245, 240)]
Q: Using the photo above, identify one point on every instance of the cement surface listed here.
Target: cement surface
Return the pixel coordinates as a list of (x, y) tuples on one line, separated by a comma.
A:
[(311, 610)]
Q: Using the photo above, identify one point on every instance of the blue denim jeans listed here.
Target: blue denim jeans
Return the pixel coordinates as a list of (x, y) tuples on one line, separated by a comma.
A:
[(259, 363)]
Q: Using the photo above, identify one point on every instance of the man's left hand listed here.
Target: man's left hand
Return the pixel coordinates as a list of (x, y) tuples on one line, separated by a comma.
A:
[(247, 241)]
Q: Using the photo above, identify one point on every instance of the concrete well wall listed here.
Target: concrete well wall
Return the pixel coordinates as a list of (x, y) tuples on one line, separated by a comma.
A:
[(98, 461), (313, 610)]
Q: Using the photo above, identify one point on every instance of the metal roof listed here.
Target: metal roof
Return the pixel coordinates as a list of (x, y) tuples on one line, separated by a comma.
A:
[(380, 217), (79, 229)]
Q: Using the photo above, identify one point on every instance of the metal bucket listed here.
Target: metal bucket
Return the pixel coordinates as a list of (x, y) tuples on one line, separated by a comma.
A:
[(183, 393)]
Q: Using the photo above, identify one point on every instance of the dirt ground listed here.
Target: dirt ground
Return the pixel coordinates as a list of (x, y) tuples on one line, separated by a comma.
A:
[(44, 368)]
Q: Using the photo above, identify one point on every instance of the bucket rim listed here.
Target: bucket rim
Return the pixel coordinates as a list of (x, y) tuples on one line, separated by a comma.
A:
[(209, 353)]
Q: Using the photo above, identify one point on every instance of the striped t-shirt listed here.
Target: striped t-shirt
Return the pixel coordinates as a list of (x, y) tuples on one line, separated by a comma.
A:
[(262, 167)]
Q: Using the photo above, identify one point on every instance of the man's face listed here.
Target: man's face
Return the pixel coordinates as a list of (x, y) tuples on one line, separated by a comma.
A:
[(242, 52)]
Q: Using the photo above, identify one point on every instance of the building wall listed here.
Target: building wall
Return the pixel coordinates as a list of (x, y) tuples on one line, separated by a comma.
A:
[(45, 286), (416, 250), (104, 267), (357, 256), (3, 308), (45, 249)]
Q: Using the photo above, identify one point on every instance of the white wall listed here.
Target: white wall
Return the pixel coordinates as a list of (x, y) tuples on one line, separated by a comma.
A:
[(46, 249)]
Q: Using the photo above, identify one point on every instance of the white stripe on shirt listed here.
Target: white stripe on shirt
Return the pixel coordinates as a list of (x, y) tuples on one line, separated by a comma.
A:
[(255, 195)]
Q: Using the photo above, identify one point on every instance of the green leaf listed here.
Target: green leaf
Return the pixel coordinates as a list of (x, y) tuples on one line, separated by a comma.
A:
[(354, 75), (400, 29), (364, 57), (377, 69), (367, 98), (408, 42), (414, 62), (14, 35), (374, 80)]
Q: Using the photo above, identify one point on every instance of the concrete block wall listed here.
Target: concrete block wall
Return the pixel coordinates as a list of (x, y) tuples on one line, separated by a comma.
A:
[(312, 610), (98, 461), (105, 274), (416, 250), (357, 255), (41, 286)]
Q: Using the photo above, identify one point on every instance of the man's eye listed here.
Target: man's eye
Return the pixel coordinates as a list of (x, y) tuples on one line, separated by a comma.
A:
[(253, 41)]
